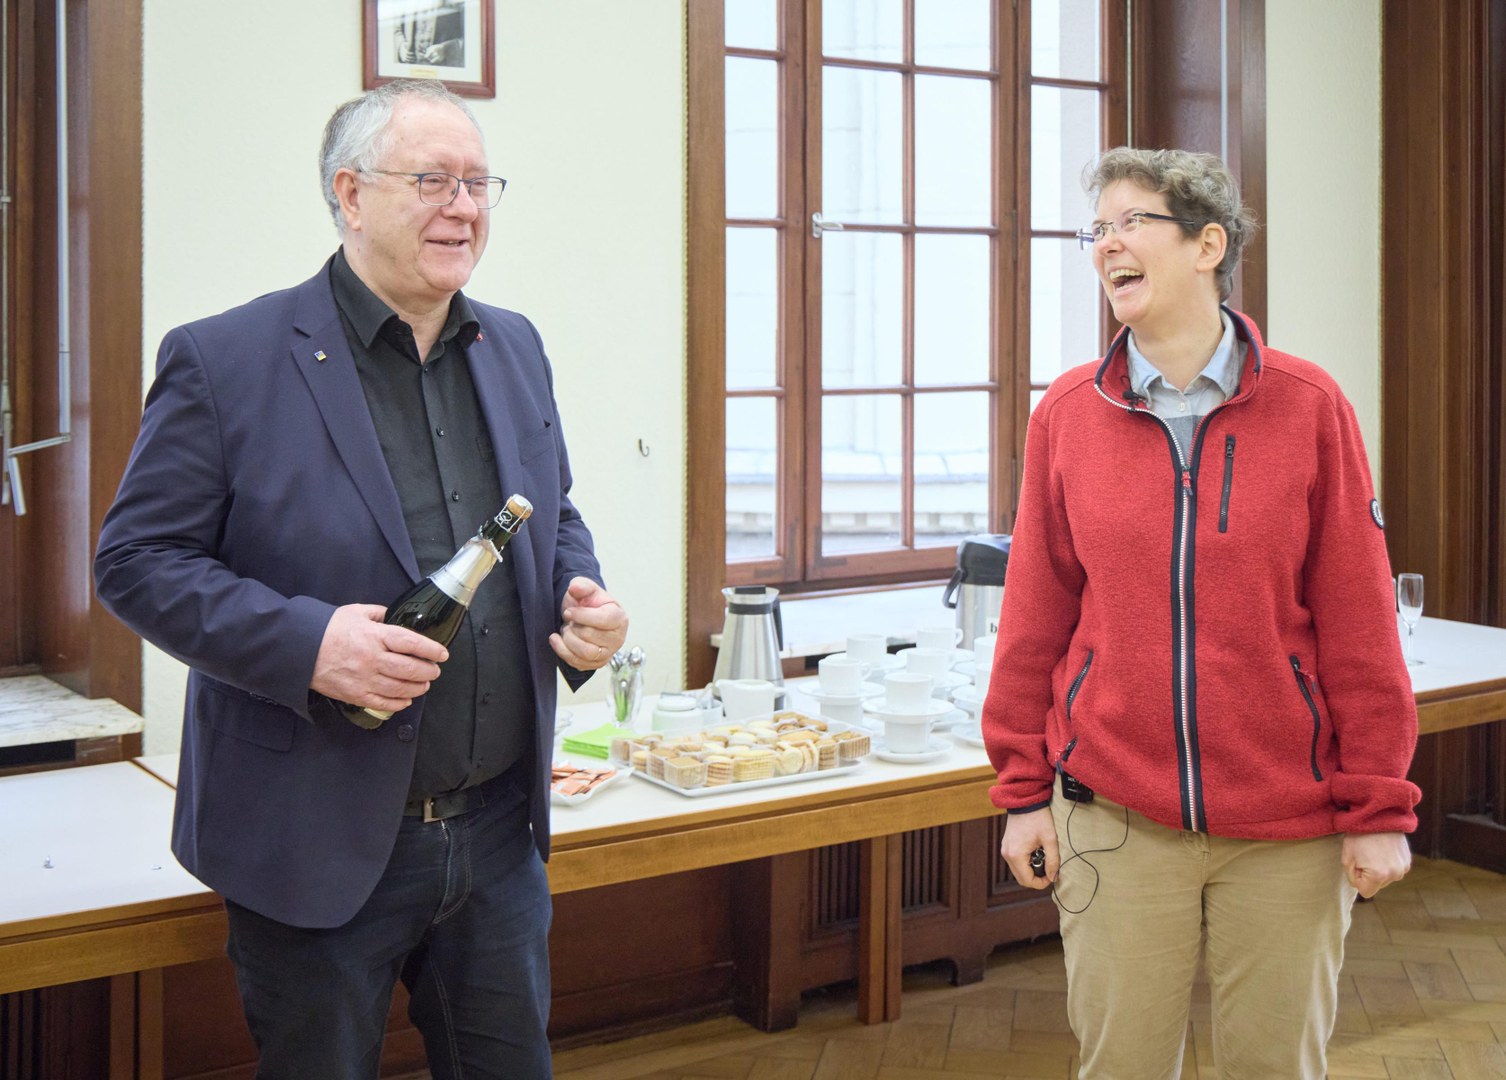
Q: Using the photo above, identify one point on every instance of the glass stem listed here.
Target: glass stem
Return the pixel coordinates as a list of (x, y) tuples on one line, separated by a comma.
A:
[(1410, 654)]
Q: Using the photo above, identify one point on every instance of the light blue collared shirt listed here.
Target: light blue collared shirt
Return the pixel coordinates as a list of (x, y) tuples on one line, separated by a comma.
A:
[(1210, 388)]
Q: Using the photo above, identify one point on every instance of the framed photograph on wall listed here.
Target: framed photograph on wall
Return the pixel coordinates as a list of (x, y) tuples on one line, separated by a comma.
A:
[(449, 40)]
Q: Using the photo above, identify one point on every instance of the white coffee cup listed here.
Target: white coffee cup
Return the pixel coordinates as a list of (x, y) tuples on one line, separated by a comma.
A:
[(907, 734), (907, 693), (938, 637), (983, 658), (840, 674), (742, 698), (927, 661), (870, 649)]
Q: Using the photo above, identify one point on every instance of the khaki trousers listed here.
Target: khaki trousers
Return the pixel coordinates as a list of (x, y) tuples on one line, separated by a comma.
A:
[(1271, 915)]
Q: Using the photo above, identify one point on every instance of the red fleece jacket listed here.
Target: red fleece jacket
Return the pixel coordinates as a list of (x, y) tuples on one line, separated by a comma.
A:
[(1213, 646)]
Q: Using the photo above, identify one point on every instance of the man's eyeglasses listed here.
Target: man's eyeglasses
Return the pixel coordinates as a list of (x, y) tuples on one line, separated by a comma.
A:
[(440, 188), (1127, 222)]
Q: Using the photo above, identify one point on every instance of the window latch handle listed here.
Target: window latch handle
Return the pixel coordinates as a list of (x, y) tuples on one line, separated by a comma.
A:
[(820, 225)]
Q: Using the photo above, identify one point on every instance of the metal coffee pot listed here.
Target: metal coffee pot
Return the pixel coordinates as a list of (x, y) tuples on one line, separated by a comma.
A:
[(977, 588), (752, 636)]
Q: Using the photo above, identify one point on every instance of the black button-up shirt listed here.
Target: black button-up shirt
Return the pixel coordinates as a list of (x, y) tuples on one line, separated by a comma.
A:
[(478, 715)]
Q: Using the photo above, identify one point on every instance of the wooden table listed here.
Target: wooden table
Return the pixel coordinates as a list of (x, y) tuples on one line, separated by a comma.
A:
[(116, 904)]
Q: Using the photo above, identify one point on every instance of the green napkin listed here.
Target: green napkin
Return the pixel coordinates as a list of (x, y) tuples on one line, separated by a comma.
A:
[(595, 743)]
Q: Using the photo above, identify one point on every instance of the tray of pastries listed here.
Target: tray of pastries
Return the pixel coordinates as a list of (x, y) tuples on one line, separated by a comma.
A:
[(783, 748)]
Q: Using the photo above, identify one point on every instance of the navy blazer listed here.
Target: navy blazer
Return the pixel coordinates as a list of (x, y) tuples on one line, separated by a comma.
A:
[(255, 502)]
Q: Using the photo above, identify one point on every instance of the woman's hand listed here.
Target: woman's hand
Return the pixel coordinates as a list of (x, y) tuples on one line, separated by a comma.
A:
[(1374, 860), (1023, 834)]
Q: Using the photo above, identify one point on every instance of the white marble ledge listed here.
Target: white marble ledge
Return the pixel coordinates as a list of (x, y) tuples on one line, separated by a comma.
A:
[(34, 709)]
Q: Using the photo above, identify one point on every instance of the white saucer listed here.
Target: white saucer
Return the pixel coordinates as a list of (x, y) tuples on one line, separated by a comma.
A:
[(949, 682), (934, 750), (865, 691), (934, 707), (944, 721), (890, 662), (958, 654), (972, 734), (970, 698)]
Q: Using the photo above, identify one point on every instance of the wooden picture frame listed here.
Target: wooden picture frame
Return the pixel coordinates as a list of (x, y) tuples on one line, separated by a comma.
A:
[(449, 40)]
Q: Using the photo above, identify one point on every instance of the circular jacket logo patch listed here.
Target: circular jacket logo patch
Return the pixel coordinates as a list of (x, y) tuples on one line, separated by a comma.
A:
[(1380, 522)]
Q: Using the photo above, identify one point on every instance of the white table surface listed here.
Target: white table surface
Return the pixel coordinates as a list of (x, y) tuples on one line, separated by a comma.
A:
[(1456, 654), (106, 830)]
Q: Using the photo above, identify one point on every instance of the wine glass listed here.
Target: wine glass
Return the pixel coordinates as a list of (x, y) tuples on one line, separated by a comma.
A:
[(1409, 601)]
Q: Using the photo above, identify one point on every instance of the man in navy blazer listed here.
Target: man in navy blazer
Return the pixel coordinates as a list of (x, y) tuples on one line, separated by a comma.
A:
[(303, 459)]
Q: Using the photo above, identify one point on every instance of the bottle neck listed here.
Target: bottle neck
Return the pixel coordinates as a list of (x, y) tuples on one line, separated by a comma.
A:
[(462, 575)]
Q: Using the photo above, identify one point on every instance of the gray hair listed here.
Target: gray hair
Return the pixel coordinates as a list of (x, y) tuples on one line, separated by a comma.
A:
[(356, 135), (1198, 187)]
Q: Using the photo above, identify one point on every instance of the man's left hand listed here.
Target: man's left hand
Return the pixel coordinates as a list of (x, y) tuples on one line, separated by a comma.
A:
[(1374, 860), (594, 626)]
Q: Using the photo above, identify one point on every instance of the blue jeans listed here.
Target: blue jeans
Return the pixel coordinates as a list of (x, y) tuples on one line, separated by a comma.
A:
[(461, 915)]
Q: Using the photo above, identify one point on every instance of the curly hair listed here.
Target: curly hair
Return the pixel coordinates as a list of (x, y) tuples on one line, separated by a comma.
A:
[(1198, 187)]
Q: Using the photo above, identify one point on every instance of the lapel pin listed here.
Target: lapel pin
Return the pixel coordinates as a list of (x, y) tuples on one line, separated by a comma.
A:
[(319, 356)]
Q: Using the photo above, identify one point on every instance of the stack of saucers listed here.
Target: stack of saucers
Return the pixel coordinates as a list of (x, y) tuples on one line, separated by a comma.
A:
[(971, 697)]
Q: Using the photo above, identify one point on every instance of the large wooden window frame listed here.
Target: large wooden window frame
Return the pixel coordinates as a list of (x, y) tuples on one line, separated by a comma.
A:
[(798, 563)]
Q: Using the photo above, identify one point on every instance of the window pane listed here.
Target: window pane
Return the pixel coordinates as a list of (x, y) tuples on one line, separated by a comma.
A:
[(861, 471), (954, 33), (752, 138), (1064, 39), (952, 297), (752, 307), (1065, 301), (951, 467), (752, 468), (861, 144), (863, 29), (1064, 138), (954, 151), (751, 24), (862, 309)]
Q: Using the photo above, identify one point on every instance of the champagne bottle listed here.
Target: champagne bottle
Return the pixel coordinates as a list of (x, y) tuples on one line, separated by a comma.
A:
[(435, 606)]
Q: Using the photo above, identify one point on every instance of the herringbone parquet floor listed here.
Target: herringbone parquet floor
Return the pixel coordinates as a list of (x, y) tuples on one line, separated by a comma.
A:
[(1422, 997)]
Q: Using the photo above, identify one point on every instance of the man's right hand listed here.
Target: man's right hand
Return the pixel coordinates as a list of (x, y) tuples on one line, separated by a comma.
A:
[(367, 663), (1023, 833)]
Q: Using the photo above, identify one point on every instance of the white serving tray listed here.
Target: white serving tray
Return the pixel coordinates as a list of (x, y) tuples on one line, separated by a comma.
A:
[(832, 727)]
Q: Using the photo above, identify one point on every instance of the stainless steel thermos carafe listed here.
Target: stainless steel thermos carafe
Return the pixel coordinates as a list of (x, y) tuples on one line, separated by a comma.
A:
[(752, 636), (977, 588)]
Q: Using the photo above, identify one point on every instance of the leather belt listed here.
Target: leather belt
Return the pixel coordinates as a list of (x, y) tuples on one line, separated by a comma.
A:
[(439, 807)]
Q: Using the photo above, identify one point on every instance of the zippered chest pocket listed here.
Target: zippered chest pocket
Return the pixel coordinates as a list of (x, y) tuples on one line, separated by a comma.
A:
[(1312, 707), (1223, 501)]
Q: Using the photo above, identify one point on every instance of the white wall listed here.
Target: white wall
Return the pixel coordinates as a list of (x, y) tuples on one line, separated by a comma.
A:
[(1323, 147), (588, 126)]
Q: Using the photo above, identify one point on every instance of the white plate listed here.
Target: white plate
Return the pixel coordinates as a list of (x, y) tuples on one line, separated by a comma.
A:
[(934, 750), (934, 707), (816, 694), (575, 800), (969, 698), (972, 734)]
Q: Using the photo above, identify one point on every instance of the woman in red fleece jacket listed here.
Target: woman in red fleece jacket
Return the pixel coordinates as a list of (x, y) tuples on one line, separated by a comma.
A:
[(1199, 643)]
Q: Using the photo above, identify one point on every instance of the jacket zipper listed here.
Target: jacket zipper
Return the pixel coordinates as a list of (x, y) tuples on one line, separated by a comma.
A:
[(1312, 707), (1223, 503), (1183, 682), (1077, 684)]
